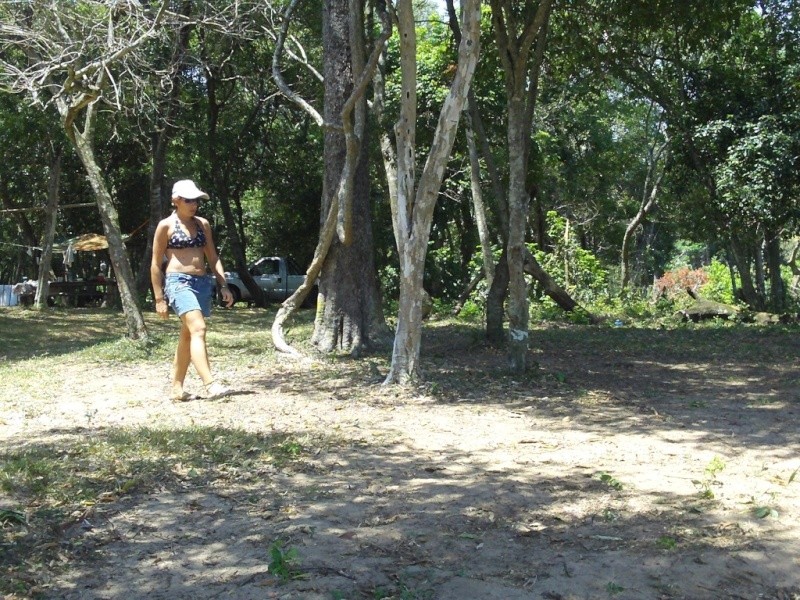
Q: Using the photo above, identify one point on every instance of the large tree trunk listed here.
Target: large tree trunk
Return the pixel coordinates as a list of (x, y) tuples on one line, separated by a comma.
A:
[(748, 289), (495, 303), (50, 218), (349, 297), (116, 247), (345, 200)]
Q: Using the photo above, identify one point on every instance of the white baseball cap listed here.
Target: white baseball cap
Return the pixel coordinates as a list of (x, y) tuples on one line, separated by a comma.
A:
[(185, 188)]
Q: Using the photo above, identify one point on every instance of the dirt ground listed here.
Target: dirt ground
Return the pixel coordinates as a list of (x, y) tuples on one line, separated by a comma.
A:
[(630, 464)]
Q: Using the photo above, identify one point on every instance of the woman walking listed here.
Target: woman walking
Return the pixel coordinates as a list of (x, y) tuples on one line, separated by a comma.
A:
[(185, 241)]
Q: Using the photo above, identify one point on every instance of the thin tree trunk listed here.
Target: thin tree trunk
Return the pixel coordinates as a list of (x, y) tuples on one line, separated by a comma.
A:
[(794, 289), (761, 284), (521, 53), (647, 206), (464, 295), (51, 217), (748, 290), (156, 205), (218, 179), (777, 291), (412, 213), (116, 247), (517, 226), (477, 202)]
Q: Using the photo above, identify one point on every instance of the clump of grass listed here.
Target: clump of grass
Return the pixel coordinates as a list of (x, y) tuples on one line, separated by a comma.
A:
[(666, 542)]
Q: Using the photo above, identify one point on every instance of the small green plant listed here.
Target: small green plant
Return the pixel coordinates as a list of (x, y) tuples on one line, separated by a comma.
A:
[(283, 563), (666, 542), (609, 515), (762, 512), (715, 466), (380, 593), (614, 588), (762, 509), (610, 481)]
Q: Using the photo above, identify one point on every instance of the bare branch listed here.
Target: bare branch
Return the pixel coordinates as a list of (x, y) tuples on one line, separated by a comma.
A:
[(276, 70)]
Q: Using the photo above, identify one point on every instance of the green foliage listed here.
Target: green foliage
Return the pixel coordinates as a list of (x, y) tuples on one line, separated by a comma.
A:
[(754, 169), (610, 481), (718, 285), (614, 588), (283, 563), (666, 542), (705, 485), (577, 270), (472, 312)]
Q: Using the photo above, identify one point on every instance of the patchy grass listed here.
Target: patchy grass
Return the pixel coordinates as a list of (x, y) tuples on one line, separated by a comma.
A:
[(599, 392), (55, 486)]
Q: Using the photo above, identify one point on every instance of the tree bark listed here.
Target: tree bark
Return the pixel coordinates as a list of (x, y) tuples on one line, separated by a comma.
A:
[(742, 260), (160, 143), (649, 195), (412, 212), (363, 305), (51, 216), (521, 54), (478, 205), (777, 290), (349, 307), (116, 247), (495, 303), (218, 179), (518, 131)]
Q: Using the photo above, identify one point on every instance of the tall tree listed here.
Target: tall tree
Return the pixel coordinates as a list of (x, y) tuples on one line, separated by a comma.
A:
[(413, 202), (58, 56), (521, 35), (349, 312)]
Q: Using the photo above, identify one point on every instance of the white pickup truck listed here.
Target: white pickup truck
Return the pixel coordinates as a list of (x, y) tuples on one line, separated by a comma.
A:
[(279, 277)]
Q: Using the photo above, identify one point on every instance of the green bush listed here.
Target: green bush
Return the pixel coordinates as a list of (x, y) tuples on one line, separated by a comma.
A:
[(718, 283)]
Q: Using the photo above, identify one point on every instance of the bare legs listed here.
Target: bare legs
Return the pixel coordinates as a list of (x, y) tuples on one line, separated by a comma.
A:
[(191, 349)]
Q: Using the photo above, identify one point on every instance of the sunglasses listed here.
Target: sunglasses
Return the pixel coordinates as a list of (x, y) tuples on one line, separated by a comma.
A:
[(191, 200)]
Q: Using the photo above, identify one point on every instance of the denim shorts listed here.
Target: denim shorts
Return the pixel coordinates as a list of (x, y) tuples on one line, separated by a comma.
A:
[(189, 292)]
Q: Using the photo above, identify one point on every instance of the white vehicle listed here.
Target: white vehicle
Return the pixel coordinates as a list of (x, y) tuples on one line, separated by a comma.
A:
[(279, 277)]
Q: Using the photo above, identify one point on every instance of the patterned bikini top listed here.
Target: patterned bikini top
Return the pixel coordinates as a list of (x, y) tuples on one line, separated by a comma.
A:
[(181, 239)]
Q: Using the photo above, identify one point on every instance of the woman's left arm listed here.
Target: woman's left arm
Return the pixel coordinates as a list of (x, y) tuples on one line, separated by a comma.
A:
[(216, 264)]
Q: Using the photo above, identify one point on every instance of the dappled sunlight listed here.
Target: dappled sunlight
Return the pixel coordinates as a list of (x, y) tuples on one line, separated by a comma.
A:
[(314, 479)]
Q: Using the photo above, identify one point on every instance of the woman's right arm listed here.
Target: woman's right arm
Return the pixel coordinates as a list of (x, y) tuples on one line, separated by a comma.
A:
[(156, 275)]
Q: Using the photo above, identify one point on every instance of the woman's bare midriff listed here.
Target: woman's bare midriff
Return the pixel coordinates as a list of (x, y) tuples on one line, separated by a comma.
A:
[(190, 261)]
